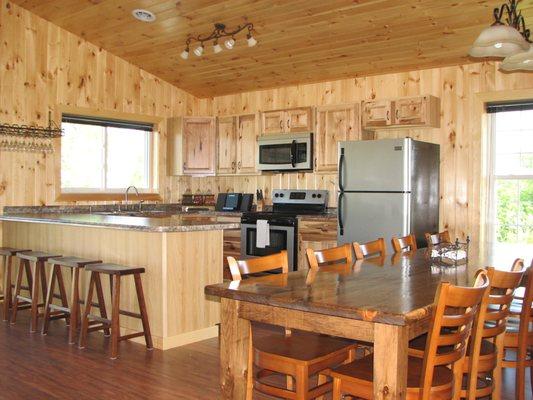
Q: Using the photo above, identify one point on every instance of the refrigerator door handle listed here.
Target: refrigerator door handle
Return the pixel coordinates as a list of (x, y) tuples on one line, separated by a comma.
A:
[(341, 170), (339, 214)]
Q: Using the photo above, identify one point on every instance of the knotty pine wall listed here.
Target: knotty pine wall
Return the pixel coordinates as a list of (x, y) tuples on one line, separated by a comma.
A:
[(459, 134)]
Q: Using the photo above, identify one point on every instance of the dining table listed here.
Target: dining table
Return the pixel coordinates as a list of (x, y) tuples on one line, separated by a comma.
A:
[(386, 301)]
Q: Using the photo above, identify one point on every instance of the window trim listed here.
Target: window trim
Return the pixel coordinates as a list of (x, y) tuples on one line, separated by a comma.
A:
[(156, 176)]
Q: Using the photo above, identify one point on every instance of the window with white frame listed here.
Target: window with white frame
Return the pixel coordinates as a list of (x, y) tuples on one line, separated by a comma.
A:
[(512, 176), (106, 156)]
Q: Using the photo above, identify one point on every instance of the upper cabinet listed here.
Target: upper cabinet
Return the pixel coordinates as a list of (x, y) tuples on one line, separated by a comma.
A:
[(237, 144), (287, 121), (191, 146), (419, 111), (334, 124)]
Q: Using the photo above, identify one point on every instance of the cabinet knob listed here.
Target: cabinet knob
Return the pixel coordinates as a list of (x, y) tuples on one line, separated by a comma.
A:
[(239, 165), (388, 115), (397, 114), (288, 124), (281, 124)]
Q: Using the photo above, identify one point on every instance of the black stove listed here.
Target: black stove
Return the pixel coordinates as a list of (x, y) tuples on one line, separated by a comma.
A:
[(287, 205)]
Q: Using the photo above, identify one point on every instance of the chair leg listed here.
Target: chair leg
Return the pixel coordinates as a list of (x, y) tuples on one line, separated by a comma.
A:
[(497, 373), (337, 389), (35, 296), (74, 305), (144, 313), (302, 383), (48, 300), (115, 318), (8, 299), (520, 374), (29, 276), (321, 380), (101, 302), (62, 292), (22, 267), (85, 319)]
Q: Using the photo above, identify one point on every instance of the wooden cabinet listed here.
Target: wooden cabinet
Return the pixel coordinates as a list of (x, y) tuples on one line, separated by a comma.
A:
[(417, 111), (237, 144), (377, 113), (287, 121), (315, 234), (334, 124), (191, 146)]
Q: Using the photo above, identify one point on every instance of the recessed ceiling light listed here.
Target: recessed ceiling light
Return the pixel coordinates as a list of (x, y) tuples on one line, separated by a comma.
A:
[(143, 15)]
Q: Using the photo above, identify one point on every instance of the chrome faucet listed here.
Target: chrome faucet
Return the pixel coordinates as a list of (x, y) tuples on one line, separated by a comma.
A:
[(136, 192)]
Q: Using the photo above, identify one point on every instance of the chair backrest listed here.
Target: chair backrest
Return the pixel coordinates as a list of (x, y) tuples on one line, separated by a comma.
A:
[(334, 255), (518, 265), (369, 249), (406, 243), (456, 309), (259, 264), (526, 311), (437, 238)]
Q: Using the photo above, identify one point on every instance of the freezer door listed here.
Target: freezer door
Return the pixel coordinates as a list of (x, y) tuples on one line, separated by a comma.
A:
[(375, 165), (363, 217)]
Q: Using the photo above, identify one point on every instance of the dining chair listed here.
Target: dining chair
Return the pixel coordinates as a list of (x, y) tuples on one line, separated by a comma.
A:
[(437, 238), (405, 243), (518, 339), (297, 355), (317, 258), (483, 363), (438, 374), (375, 248)]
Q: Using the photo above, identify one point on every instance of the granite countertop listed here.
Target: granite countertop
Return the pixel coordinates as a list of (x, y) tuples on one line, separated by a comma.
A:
[(330, 214), (145, 223)]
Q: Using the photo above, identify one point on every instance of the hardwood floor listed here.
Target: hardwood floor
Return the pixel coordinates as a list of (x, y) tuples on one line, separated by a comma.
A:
[(46, 367)]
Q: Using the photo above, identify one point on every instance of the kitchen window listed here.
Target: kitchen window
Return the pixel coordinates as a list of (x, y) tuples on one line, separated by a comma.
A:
[(511, 202), (106, 155)]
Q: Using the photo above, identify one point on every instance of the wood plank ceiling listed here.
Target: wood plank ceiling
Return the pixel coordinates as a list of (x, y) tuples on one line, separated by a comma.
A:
[(300, 41)]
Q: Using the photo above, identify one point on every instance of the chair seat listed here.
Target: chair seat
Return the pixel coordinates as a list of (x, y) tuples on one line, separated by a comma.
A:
[(300, 345), (362, 372), (73, 262), (37, 255), (114, 269), (418, 344), (10, 251)]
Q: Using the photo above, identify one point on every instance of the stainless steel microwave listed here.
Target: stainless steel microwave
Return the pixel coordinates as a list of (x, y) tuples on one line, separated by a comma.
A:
[(287, 152)]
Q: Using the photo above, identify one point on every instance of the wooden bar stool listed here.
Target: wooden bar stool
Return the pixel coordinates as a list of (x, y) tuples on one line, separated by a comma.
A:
[(115, 273), (53, 311), (7, 254), (37, 260)]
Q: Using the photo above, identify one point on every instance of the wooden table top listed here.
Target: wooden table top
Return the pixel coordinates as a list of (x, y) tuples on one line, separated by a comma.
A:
[(395, 290)]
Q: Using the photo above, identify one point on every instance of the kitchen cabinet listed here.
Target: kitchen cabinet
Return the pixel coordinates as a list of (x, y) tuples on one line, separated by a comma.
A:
[(315, 233), (191, 146), (334, 124), (232, 247), (237, 145), (416, 111), (287, 121)]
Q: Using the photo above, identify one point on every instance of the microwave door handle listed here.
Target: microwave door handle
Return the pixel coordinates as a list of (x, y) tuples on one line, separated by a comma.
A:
[(293, 153)]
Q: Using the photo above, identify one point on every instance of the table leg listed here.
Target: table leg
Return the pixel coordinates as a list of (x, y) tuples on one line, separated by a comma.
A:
[(390, 361), (234, 350)]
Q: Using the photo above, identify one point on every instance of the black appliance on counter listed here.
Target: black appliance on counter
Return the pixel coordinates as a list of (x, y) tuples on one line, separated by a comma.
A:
[(282, 223), (234, 202)]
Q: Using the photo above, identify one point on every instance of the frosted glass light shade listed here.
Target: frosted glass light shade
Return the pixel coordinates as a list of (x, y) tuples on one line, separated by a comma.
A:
[(519, 62), (498, 41), (251, 41), (217, 48), (230, 43), (185, 54), (199, 51)]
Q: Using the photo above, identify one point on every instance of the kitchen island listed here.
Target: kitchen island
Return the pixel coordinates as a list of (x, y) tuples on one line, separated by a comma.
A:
[(181, 253)]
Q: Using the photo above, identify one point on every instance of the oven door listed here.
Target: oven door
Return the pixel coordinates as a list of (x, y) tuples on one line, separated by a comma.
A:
[(285, 152), (281, 238)]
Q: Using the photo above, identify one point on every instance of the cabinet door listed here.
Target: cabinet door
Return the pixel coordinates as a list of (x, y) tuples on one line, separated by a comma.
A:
[(232, 247), (199, 146), (299, 120), (273, 122), (316, 235), (377, 113), (227, 136), (247, 144), (411, 111), (334, 124)]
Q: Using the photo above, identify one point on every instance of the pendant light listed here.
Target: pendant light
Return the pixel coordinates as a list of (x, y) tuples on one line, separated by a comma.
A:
[(519, 62)]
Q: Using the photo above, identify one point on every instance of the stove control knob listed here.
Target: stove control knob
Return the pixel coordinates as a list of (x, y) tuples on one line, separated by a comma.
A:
[(319, 195), (276, 195), (281, 195), (314, 195)]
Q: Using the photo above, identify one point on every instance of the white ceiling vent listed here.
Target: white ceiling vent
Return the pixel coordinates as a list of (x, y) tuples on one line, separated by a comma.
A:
[(143, 15)]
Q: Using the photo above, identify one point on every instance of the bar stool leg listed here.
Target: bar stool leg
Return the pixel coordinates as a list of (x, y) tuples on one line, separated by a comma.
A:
[(38, 269), (115, 318), (8, 293), (86, 312), (74, 305), (62, 292), (48, 300), (142, 307), (20, 272), (101, 302)]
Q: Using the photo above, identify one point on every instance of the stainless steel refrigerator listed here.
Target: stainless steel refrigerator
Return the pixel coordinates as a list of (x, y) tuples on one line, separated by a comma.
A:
[(387, 188)]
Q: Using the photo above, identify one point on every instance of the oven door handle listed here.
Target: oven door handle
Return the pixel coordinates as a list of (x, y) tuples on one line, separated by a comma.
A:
[(293, 153)]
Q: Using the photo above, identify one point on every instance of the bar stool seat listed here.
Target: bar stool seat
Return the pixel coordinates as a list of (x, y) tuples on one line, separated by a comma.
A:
[(115, 272), (71, 313), (36, 276), (7, 254)]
